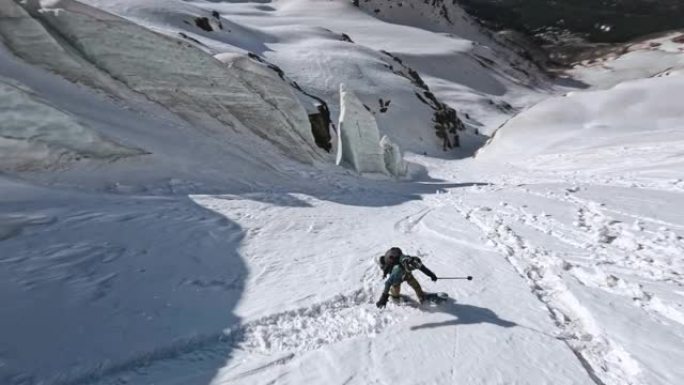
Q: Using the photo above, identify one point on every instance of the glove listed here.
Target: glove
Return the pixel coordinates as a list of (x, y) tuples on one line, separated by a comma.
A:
[(433, 278), (383, 301)]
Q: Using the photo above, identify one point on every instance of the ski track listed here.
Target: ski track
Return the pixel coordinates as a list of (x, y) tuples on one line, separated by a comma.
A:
[(283, 335), (605, 361), (342, 317), (601, 244), (610, 253), (649, 254), (407, 224), (309, 328)]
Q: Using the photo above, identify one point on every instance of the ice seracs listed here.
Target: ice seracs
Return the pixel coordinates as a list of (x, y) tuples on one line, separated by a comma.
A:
[(166, 70), (360, 146), (394, 159), (35, 135)]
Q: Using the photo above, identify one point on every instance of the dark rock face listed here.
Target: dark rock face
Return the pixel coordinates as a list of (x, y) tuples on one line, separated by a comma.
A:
[(447, 124), (346, 38), (384, 105), (320, 121), (203, 23), (320, 127)]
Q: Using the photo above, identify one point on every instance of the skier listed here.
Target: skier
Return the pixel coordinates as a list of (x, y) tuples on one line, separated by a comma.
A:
[(399, 267)]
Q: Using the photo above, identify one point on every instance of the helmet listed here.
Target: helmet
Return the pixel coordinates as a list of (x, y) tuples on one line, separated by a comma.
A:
[(392, 255)]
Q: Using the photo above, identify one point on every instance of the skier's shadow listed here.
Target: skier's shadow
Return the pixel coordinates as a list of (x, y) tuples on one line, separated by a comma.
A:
[(465, 315)]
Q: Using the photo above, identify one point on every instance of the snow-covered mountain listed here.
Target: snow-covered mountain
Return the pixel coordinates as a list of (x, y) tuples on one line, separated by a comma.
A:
[(208, 63), (195, 192)]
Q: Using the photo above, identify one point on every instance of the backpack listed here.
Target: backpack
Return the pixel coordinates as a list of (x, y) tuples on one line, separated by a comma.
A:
[(409, 263)]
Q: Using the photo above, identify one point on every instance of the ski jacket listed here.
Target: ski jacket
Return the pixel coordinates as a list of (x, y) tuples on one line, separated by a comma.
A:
[(400, 271)]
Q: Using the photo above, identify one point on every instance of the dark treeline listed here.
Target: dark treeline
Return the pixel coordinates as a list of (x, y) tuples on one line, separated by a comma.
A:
[(598, 21)]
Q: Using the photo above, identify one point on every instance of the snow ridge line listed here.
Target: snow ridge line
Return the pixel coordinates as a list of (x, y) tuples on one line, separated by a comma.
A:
[(606, 362)]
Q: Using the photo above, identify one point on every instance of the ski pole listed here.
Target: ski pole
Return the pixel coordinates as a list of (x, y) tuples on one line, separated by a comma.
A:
[(469, 278)]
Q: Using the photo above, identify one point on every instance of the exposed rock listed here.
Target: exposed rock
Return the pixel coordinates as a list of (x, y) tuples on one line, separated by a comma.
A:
[(320, 120), (217, 16), (384, 105), (320, 127), (192, 39), (203, 23)]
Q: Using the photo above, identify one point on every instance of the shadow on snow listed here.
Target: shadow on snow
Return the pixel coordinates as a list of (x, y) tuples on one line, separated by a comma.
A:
[(465, 315), (117, 289)]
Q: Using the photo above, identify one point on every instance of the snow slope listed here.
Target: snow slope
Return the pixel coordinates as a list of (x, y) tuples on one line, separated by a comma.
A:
[(630, 132), (158, 237), (636, 126), (645, 58)]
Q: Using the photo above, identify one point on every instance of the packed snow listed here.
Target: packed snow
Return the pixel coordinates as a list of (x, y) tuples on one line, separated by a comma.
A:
[(168, 215)]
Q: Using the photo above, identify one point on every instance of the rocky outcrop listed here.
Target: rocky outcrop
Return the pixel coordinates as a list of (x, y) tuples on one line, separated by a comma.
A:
[(318, 111), (447, 124)]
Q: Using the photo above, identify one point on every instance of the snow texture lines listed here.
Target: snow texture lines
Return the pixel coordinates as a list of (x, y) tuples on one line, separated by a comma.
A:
[(13, 224), (606, 362)]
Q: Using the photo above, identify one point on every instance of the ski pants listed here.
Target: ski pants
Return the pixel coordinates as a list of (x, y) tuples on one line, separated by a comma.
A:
[(395, 290)]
